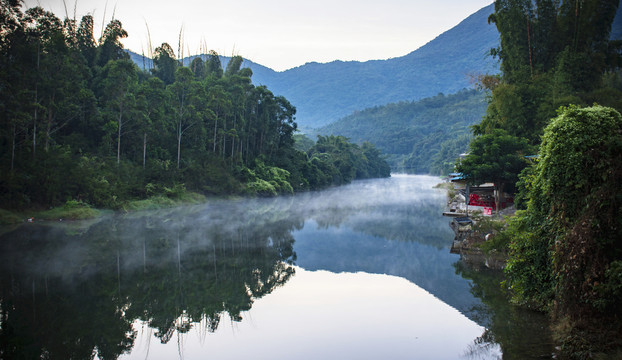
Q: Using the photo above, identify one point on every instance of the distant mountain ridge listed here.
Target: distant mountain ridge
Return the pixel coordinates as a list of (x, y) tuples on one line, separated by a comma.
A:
[(323, 93)]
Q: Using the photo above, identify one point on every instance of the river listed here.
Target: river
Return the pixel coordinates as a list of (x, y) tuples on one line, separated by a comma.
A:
[(361, 271)]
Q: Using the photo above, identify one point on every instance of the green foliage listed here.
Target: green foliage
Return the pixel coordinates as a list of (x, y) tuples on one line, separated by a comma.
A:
[(552, 54), (345, 161), (267, 180), (564, 247), (497, 157), (8, 217), (302, 142), (486, 225), (529, 266), (71, 210)]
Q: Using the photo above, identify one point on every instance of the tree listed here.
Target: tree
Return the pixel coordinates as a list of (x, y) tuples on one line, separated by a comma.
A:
[(567, 243), (214, 66), (234, 65), (185, 95), (152, 97), (85, 42), (498, 158), (118, 86), (165, 63), (110, 47), (552, 54), (198, 67)]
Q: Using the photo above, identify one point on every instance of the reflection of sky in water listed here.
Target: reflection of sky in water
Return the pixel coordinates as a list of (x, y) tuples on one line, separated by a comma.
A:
[(374, 280), (344, 250), (323, 315)]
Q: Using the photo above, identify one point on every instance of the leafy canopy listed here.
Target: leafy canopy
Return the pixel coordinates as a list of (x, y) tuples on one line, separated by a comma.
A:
[(496, 157)]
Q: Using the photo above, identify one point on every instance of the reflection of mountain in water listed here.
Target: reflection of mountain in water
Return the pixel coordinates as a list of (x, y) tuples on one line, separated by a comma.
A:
[(397, 230), (345, 250), (74, 289)]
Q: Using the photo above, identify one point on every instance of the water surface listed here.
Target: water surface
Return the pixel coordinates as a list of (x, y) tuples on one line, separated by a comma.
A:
[(361, 271)]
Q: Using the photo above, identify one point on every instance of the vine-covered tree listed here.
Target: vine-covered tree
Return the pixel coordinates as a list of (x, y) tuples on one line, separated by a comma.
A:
[(565, 248)]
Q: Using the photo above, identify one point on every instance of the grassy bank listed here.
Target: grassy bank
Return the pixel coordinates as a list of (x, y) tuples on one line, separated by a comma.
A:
[(77, 210)]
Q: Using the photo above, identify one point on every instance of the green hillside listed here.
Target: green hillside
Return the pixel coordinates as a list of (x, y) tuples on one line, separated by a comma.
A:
[(422, 136)]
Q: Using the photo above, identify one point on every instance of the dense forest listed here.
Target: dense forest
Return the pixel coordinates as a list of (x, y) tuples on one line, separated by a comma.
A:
[(553, 131), (81, 122), (423, 137)]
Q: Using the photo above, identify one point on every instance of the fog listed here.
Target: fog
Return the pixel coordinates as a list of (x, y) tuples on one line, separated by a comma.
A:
[(177, 269), (392, 208)]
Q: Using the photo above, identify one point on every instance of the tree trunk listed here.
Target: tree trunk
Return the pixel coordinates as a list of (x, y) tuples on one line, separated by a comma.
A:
[(178, 144), (120, 122), (224, 139), (498, 190), (13, 147), (48, 130), (144, 148), (34, 131), (215, 132)]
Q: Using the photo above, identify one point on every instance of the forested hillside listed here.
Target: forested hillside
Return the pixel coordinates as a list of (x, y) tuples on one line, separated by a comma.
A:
[(424, 136), (80, 122)]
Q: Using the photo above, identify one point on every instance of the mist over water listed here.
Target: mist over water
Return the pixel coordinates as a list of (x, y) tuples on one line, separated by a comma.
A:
[(358, 271)]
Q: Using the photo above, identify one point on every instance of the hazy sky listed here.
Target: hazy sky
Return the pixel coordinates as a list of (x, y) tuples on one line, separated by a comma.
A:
[(280, 34)]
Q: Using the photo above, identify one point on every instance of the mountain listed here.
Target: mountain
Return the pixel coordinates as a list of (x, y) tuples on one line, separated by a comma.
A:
[(423, 136), (323, 93)]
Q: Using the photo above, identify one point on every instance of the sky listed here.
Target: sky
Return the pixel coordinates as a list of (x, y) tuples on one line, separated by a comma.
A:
[(279, 34)]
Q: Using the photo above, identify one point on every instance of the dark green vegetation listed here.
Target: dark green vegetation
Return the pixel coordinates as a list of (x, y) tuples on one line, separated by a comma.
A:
[(81, 122), (564, 247), (420, 136)]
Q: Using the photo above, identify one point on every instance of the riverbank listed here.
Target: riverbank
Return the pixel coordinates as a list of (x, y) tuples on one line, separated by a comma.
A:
[(476, 234), (78, 210)]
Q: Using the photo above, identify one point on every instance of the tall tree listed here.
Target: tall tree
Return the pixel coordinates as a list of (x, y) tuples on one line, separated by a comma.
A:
[(153, 99), (165, 63), (214, 66), (110, 47), (118, 87), (185, 96)]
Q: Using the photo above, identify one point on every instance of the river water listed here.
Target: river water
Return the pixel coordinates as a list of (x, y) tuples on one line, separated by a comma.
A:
[(356, 272)]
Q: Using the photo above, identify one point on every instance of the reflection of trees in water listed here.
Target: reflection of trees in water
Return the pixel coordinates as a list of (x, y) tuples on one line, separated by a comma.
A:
[(75, 290), (520, 333), (73, 295)]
